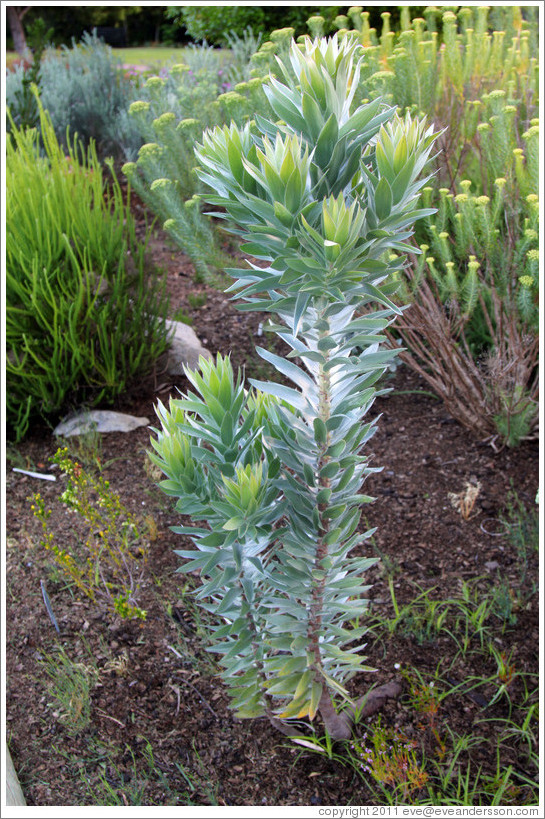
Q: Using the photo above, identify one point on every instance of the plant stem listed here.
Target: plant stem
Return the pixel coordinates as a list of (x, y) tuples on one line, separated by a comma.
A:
[(258, 661), (335, 724), (316, 606)]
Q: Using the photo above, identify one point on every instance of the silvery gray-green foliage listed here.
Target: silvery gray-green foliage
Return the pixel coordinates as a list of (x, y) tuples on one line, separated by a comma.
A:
[(242, 47), (321, 197), (83, 90), (14, 84), (169, 116)]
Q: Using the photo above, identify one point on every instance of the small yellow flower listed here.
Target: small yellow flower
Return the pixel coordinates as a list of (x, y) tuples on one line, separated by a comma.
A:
[(164, 120), (150, 149), (154, 83), (160, 184), (254, 83), (179, 68), (138, 107), (187, 124), (532, 132), (231, 98), (382, 75)]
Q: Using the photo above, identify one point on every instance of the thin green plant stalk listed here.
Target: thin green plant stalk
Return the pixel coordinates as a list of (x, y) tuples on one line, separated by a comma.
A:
[(109, 568), (84, 313)]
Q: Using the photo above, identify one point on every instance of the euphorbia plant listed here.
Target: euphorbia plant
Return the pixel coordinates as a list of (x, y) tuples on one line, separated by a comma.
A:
[(322, 197)]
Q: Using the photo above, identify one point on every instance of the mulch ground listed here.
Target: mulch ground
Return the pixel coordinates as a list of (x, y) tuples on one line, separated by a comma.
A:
[(156, 687)]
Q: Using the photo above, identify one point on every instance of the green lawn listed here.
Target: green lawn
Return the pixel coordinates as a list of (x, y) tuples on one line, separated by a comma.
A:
[(11, 56), (148, 56), (156, 56), (152, 57)]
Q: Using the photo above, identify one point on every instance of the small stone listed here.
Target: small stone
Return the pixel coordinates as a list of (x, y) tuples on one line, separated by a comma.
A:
[(99, 421), (185, 348), (491, 565)]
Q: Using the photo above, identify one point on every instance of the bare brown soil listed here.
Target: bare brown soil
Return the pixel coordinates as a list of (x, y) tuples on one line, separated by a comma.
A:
[(148, 696)]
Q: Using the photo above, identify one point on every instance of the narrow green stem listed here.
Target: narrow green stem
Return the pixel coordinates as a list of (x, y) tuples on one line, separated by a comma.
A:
[(393, 595)]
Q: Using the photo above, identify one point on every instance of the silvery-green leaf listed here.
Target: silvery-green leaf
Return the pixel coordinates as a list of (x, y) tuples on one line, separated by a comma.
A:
[(383, 199)]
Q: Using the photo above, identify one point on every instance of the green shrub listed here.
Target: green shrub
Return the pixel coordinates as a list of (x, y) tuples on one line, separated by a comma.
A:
[(170, 116), (83, 316), (214, 23), (84, 91), (277, 473), (478, 277)]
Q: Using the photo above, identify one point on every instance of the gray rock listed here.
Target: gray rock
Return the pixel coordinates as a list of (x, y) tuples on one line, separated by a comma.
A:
[(185, 348), (99, 421)]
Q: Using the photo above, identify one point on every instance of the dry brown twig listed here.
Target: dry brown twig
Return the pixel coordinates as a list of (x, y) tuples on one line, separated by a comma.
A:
[(504, 385)]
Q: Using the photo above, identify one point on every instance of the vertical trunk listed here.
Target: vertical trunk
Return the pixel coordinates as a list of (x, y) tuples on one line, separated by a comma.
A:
[(336, 724), (15, 16), (316, 605)]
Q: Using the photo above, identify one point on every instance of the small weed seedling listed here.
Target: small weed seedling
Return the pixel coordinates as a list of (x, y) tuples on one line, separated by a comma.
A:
[(70, 686), (196, 300), (391, 761), (522, 527), (109, 566), (425, 700), (421, 618)]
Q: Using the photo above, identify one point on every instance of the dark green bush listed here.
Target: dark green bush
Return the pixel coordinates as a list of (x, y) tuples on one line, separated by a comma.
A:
[(214, 23)]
